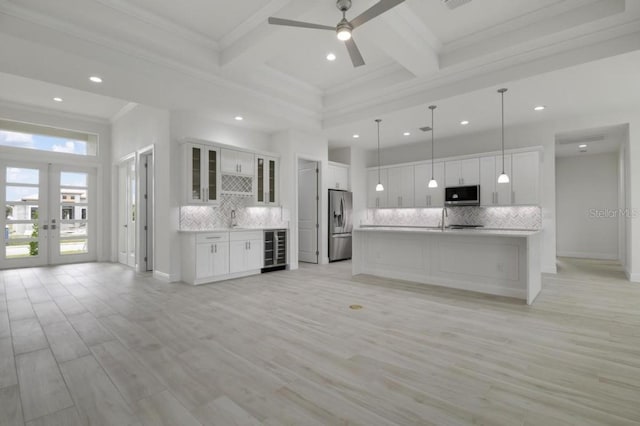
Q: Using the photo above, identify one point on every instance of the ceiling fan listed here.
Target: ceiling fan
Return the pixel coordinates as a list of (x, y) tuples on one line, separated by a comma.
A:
[(344, 28)]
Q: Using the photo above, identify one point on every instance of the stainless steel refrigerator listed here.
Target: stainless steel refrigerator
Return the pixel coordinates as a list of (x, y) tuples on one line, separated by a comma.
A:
[(340, 224)]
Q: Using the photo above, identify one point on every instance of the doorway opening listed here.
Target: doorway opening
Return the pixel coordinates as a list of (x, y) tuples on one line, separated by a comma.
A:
[(308, 211), (590, 194)]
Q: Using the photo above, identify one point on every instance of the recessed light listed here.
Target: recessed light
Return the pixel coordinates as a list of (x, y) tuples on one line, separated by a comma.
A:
[(356, 136), (407, 134), (95, 79), (239, 118), (464, 122), (539, 108), (57, 99), (582, 146), (331, 57)]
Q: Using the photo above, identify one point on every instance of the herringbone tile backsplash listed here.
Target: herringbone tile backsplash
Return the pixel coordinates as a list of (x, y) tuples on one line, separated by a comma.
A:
[(527, 217), (219, 217)]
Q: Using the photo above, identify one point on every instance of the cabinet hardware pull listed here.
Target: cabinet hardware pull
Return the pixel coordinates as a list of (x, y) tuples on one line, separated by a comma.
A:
[(211, 248), (216, 248)]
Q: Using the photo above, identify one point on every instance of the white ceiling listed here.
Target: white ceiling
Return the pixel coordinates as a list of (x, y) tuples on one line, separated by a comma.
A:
[(600, 140), (222, 58)]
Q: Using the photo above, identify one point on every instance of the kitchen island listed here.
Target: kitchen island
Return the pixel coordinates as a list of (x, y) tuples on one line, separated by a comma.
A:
[(498, 262)]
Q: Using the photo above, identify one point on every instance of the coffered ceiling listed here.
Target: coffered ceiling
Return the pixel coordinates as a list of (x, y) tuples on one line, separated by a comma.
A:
[(222, 58)]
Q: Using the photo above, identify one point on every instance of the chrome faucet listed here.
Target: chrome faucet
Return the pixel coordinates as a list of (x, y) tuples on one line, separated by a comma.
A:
[(445, 214), (233, 219)]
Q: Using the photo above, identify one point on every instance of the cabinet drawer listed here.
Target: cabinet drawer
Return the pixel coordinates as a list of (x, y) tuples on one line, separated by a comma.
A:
[(212, 237), (246, 235)]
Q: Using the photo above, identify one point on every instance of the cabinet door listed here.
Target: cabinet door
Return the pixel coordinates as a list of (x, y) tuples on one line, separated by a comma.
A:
[(212, 189), (229, 161), (271, 180), (452, 173), (245, 163), (470, 171), (237, 256), (255, 254), (376, 199), (338, 177), (488, 181), (220, 259), (436, 195), (421, 177), (503, 190), (525, 178), (400, 182), (195, 174), (204, 263)]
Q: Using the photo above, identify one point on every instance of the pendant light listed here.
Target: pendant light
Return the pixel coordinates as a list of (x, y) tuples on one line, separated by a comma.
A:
[(503, 178), (432, 183), (379, 186)]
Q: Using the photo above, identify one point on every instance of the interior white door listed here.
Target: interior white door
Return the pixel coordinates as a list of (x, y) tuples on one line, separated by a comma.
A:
[(127, 212), (308, 211)]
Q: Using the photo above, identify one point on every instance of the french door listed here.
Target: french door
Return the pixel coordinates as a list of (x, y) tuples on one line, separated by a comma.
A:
[(49, 214)]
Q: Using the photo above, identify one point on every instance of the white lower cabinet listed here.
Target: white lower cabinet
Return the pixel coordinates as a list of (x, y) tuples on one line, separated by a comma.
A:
[(246, 249), (216, 256)]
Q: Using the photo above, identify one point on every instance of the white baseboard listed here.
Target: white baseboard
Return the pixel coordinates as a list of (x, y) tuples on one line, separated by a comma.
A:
[(163, 276), (634, 278), (588, 255)]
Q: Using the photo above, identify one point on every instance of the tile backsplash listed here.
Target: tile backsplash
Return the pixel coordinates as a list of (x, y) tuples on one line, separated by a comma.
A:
[(247, 215), (526, 217)]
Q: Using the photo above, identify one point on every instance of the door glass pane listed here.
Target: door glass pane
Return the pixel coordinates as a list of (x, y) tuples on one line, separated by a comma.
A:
[(74, 179), (22, 193), (73, 195), (213, 181), (20, 175), (260, 180), (18, 249), (73, 229), (73, 246), (20, 211), (195, 174), (272, 181)]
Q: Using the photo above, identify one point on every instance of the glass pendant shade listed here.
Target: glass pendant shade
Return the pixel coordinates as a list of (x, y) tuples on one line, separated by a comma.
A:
[(433, 183), (503, 178), (379, 187)]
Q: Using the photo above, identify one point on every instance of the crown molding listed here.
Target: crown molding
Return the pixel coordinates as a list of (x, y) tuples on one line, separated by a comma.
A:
[(15, 106), (123, 111)]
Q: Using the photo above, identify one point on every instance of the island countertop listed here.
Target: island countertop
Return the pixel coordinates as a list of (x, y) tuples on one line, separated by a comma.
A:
[(494, 232)]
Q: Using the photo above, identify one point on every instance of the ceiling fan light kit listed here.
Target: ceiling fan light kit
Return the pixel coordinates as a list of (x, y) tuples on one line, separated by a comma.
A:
[(345, 28)]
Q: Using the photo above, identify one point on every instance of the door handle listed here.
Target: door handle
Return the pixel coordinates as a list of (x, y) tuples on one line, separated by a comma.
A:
[(53, 227), (45, 227)]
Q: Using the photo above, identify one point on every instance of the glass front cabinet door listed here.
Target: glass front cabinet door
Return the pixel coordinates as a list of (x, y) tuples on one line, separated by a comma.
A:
[(266, 180), (202, 174)]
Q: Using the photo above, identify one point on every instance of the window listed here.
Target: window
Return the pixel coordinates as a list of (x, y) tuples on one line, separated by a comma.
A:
[(84, 214), (15, 134), (34, 212)]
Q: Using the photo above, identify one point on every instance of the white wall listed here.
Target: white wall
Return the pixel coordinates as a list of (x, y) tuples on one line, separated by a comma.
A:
[(586, 184), (293, 145), (140, 127), (102, 162)]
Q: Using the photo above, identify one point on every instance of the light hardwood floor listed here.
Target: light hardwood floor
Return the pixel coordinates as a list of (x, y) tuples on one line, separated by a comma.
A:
[(97, 344)]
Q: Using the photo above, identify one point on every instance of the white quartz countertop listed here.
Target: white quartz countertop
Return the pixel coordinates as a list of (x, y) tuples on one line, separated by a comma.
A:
[(475, 231), (236, 229)]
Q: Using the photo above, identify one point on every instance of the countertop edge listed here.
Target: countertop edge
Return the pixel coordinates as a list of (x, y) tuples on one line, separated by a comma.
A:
[(470, 232)]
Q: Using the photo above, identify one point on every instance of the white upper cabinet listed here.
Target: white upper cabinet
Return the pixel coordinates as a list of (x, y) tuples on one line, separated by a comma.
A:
[(400, 186), (376, 199), (462, 172), (493, 193), (525, 178), (423, 195), (266, 178), (338, 176), (237, 162), (202, 168)]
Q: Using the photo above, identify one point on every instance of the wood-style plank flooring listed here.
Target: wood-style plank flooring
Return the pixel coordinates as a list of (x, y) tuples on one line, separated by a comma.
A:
[(96, 344)]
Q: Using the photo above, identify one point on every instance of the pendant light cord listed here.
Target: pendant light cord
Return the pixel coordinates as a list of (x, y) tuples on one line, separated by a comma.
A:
[(378, 122), (502, 95), (432, 107)]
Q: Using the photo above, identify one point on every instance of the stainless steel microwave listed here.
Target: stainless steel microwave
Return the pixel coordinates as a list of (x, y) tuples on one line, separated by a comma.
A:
[(462, 195)]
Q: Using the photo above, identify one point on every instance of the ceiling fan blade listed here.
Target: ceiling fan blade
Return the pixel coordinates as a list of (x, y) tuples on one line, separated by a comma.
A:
[(290, 23), (354, 53), (377, 9)]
